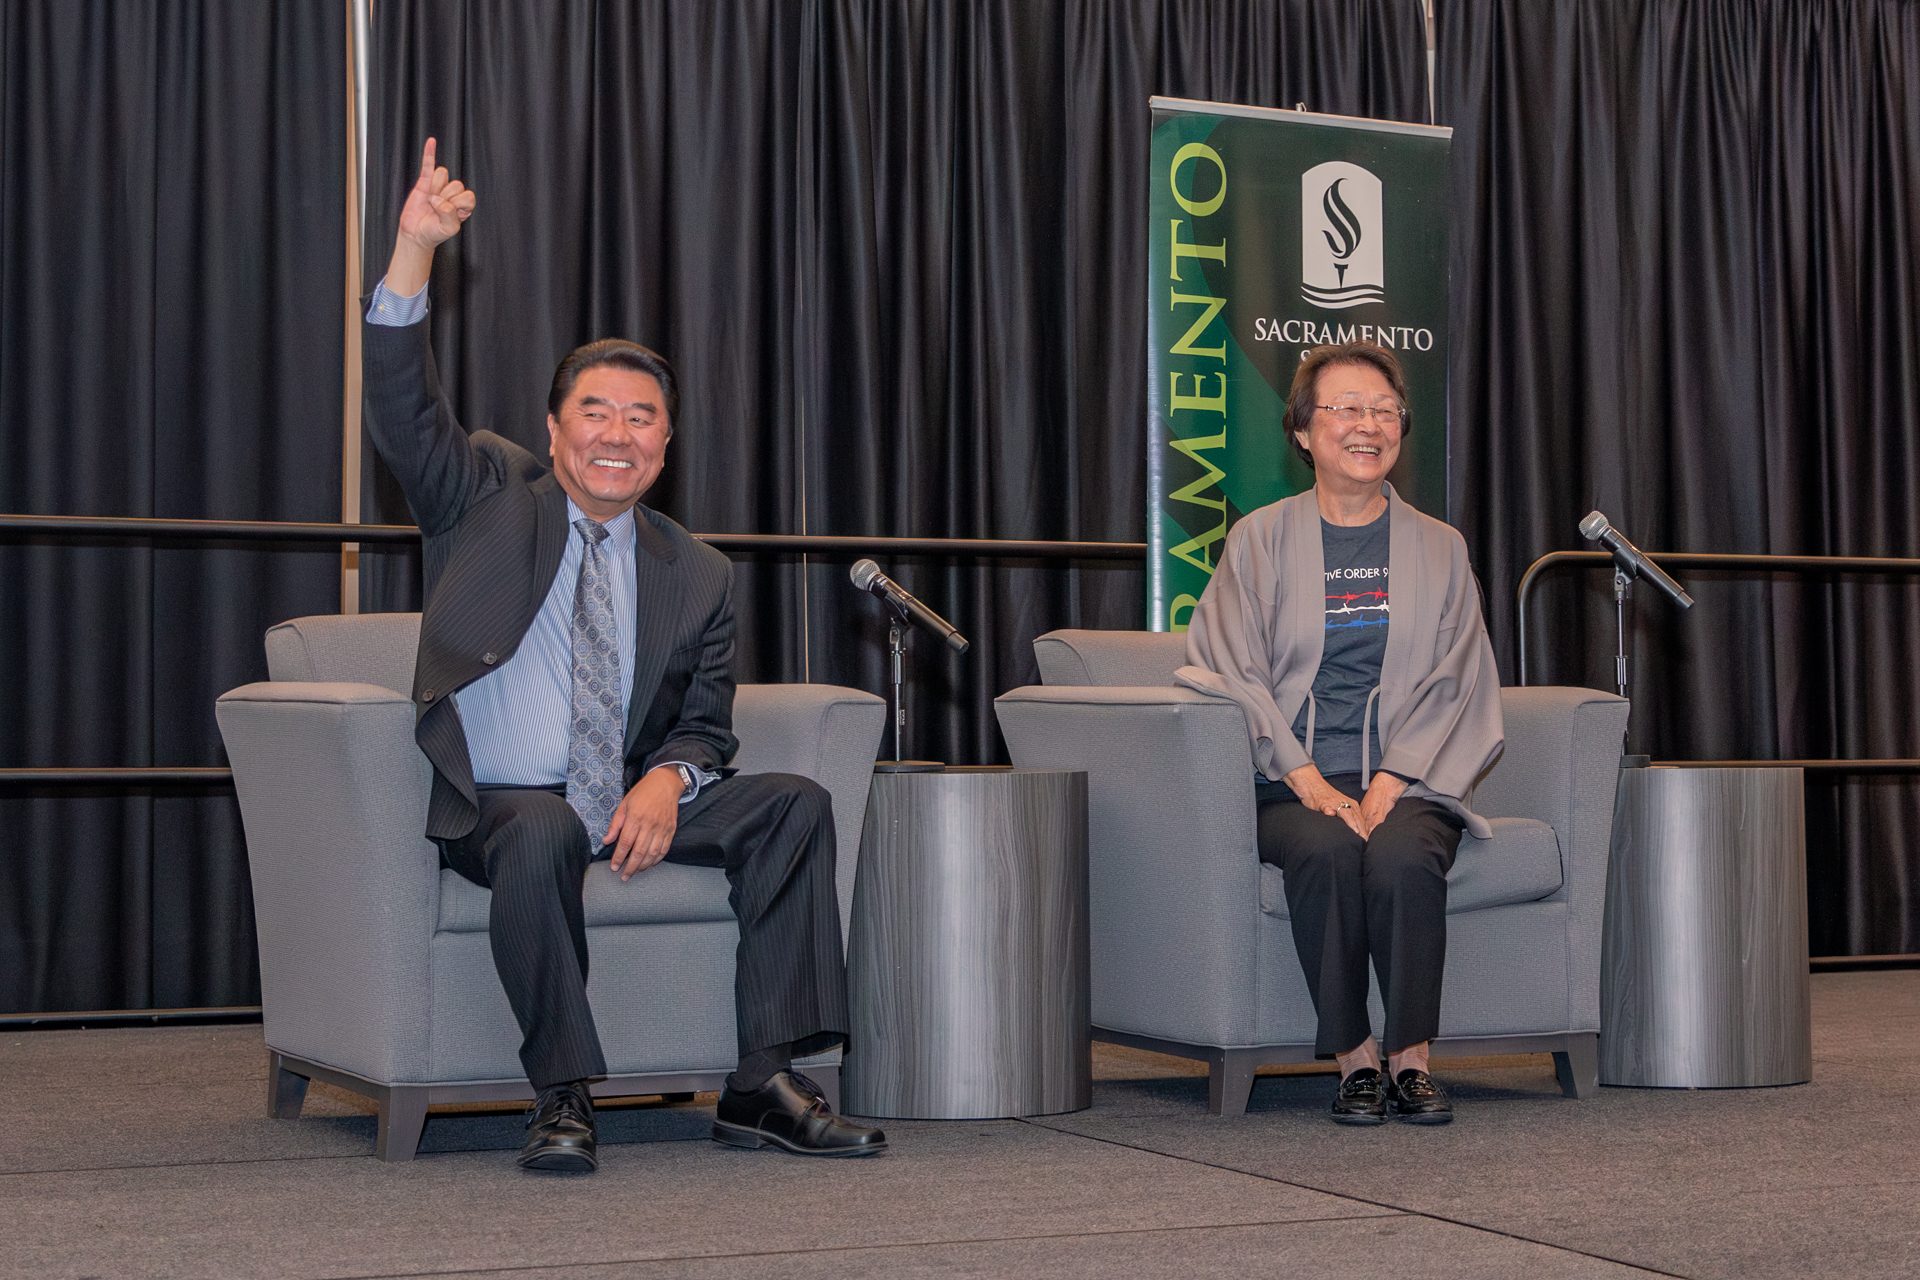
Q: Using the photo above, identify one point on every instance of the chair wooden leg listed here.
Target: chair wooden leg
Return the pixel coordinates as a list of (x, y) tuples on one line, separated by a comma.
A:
[(286, 1091), (403, 1114), (1578, 1065), (1230, 1082)]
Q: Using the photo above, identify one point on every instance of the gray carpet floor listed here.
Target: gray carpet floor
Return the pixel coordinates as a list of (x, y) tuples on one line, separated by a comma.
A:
[(146, 1152)]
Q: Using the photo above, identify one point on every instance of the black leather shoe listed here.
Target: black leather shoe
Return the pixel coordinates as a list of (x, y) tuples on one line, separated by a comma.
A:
[(1362, 1098), (789, 1112), (1418, 1098), (560, 1131)]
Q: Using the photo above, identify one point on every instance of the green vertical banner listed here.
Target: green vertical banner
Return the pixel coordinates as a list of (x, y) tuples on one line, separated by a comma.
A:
[(1271, 233)]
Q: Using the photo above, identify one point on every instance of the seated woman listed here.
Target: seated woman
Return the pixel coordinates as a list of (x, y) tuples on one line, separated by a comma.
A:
[(1347, 626)]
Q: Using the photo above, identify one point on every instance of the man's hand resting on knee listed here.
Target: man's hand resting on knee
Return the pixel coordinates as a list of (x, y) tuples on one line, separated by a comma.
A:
[(643, 825)]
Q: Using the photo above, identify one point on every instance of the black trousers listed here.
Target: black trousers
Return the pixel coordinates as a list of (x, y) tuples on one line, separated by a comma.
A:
[(1351, 899), (773, 835)]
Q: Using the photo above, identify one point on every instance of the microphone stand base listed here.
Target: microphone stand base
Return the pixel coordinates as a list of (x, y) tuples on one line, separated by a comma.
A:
[(908, 766)]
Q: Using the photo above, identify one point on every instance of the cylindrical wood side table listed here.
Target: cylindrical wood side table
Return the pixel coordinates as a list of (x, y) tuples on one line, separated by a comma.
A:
[(1703, 964), (967, 956)]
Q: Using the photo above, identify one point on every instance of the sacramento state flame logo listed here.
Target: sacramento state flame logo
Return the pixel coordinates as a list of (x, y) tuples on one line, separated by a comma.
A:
[(1341, 264)]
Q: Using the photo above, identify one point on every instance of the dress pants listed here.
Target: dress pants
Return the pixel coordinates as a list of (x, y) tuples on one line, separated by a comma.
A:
[(773, 835), (1351, 899)]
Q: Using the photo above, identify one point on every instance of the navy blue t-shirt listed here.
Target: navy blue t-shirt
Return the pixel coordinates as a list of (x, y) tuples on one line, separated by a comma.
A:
[(1356, 646)]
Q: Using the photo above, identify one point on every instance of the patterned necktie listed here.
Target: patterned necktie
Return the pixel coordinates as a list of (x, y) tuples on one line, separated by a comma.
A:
[(596, 743)]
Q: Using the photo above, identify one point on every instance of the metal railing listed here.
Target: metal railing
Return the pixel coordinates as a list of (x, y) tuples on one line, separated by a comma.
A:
[(166, 530), (83, 1019), (742, 543), (159, 530), (1808, 565), (1738, 564)]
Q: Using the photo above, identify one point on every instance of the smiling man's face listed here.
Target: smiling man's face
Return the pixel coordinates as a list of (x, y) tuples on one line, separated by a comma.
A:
[(610, 439)]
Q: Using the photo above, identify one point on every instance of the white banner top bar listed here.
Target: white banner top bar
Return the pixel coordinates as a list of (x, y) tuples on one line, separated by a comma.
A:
[(1302, 117)]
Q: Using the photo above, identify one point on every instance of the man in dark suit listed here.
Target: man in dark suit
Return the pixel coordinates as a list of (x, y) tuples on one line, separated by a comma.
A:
[(573, 693)]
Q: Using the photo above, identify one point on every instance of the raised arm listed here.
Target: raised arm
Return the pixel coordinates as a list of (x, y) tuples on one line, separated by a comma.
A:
[(409, 418)]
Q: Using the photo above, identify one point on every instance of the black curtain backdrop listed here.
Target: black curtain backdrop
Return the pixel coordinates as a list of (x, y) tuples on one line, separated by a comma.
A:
[(895, 250), (172, 247), (1687, 279)]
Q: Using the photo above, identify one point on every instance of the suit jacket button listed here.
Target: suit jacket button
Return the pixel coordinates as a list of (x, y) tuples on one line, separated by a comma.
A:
[(426, 695), (489, 658)]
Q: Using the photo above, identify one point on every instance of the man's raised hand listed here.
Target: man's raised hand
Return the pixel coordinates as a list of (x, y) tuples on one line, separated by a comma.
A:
[(436, 206), (432, 215)]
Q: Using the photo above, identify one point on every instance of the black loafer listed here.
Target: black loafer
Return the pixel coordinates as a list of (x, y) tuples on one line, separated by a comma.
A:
[(789, 1113), (560, 1131), (1362, 1098), (1418, 1098)]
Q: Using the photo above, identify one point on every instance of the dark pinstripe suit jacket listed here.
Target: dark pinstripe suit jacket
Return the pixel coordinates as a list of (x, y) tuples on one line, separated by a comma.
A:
[(493, 521)]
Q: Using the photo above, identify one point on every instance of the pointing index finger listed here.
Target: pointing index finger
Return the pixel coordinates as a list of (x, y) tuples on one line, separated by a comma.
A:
[(426, 160)]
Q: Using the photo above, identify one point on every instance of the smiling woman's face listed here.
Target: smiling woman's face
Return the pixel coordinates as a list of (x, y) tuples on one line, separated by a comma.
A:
[(1357, 456)]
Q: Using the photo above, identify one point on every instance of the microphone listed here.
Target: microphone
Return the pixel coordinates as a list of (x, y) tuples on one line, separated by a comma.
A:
[(1632, 560), (866, 575)]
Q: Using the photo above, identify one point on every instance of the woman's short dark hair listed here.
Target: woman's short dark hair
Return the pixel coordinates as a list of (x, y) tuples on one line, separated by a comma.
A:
[(621, 354), (1305, 397)]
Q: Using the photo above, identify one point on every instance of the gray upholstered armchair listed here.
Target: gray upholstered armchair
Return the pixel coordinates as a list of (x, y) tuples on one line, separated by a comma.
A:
[(375, 969), (1192, 950)]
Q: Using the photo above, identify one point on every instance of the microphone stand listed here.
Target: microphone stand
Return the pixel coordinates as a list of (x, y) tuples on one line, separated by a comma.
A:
[(1622, 592), (896, 644), (1629, 562), (896, 649)]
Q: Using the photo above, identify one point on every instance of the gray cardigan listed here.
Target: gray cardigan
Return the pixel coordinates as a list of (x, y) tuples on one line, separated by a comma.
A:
[(1256, 637)]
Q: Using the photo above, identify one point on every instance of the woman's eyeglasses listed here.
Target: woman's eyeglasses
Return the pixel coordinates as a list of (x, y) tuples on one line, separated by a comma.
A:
[(1348, 415)]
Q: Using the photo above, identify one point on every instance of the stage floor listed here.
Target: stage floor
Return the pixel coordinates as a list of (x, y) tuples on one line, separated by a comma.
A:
[(146, 1153)]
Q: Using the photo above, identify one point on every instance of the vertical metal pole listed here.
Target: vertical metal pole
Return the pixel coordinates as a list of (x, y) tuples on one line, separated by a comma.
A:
[(899, 701), (803, 320), (1432, 115), (362, 53), (356, 126)]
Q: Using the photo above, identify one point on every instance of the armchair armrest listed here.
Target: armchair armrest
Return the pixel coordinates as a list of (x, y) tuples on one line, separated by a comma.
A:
[(1562, 766), (819, 731), (1174, 874), (346, 888)]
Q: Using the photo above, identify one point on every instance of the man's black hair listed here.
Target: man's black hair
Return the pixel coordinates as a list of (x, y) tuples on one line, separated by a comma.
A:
[(621, 354)]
